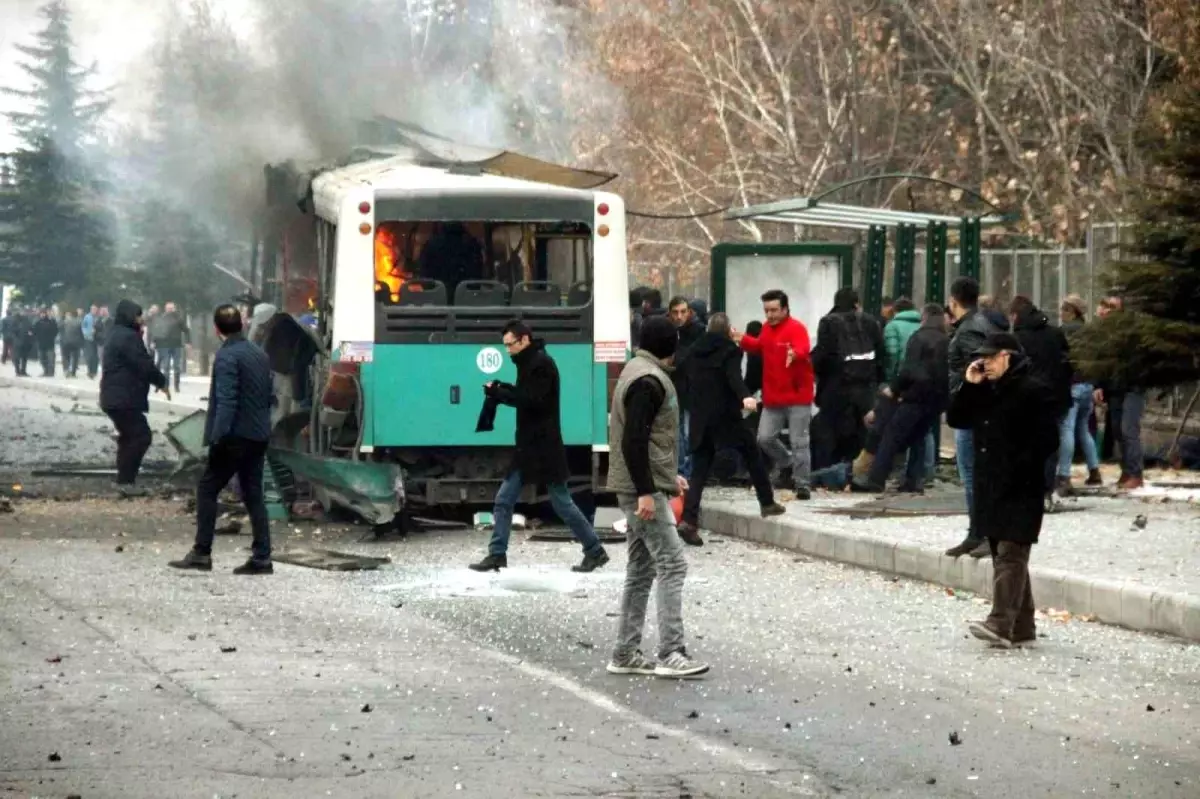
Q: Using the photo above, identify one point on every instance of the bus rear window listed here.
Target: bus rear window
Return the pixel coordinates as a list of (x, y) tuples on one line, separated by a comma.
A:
[(483, 264)]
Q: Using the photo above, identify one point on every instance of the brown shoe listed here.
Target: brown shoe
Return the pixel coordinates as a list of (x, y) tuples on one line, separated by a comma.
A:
[(690, 534), (982, 631), (1130, 483), (774, 509)]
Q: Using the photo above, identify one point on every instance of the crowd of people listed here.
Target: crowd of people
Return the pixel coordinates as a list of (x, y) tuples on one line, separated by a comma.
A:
[(49, 336)]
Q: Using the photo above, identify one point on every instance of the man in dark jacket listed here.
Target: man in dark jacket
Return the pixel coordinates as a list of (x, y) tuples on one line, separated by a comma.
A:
[(714, 376), (171, 331), (71, 342), (1049, 361), (23, 342), (236, 431), (1014, 416), (921, 392), (541, 457), (127, 372), (684, 318), (849, 365), (971, 327), (7, 330), (45, 332)]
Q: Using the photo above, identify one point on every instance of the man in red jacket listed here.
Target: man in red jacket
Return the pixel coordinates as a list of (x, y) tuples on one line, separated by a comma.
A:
[(787, 391)]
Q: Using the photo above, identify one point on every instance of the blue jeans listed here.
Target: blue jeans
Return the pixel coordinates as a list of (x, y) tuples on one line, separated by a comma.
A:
[(560, 500), (170, 359), (964, 454), (1074, 427), (685, 455)]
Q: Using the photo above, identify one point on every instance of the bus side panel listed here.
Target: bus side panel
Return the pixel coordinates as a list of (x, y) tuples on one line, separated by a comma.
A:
[(429, 395), (600, 404), (367, 375)]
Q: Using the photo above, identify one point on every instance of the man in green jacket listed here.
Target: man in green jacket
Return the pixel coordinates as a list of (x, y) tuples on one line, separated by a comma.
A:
[(896, 335)]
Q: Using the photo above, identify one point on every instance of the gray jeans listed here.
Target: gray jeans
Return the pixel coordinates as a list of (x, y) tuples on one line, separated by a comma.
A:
[(797, 419), (654, 551)]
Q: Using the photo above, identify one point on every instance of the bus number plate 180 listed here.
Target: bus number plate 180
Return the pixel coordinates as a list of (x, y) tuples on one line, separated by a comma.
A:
[(357, 352)]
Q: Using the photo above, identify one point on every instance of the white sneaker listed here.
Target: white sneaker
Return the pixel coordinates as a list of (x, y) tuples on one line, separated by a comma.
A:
[(636, 663), (679, 665)]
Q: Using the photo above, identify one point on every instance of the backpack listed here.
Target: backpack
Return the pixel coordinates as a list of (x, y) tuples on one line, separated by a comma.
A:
[(856, 350)]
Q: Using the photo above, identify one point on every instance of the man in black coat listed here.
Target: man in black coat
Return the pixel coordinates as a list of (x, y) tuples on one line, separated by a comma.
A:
[(541, 456), (45, 332), (681, 314), (1014, 417), (237, 429), (127, 372), (719, 395), (921, 392), (1049, 360)]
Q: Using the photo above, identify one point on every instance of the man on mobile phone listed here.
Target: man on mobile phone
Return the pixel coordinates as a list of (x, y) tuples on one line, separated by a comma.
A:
[(1013, 416)]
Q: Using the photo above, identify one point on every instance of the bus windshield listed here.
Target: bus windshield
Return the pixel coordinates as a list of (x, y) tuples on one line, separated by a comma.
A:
[(449, 263)]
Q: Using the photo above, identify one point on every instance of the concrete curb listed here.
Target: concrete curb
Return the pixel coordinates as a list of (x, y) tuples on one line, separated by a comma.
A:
[(88, 394), (1131, 605)]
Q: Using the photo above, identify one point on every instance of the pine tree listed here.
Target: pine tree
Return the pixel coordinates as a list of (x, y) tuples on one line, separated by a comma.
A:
[(57, 228), (1155, 341)]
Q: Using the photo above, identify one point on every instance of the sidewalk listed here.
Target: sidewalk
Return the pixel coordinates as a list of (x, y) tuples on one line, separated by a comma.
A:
[(192, 397), (1092, 559)]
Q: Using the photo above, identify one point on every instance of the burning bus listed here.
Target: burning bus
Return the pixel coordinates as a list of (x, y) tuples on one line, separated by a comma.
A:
[(415, 253)]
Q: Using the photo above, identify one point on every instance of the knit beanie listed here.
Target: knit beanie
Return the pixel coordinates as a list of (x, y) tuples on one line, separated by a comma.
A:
[(659, 337)]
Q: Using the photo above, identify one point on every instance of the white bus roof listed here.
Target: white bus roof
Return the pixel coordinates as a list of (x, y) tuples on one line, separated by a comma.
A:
[(399, 176)]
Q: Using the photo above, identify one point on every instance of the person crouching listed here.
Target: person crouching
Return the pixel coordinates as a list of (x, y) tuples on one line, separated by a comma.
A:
[(644, 434), (1014, 419)]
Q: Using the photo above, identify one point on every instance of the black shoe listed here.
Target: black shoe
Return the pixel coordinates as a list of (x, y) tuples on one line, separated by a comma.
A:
[(690, 534), (193, 560), (803, 492), (984, 550), (130, 491), (861, 486), (492, 563), (967, 546), (783, 480), (591, 562), (774, 509), (1094, 478), (253, 566), (909, 488)]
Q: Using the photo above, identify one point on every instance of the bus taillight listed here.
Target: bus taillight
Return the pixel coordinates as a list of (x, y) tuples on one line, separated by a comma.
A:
[(602, 209)]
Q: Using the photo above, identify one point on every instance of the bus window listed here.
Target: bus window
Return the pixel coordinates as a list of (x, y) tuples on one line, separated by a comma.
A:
[(483, 263)]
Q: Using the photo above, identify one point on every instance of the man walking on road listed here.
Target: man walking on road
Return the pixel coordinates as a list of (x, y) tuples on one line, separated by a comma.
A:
[(719, 395), (128, 373), (236, 431), (643, 430), (72, 342), (971, 327), (679, 310), (541, 456), (91, 350), (787, 390), (1014, 416), (45, 332), (171, 330)]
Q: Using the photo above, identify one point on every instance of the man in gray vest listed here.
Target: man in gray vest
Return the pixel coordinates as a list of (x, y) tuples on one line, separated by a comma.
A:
[(643, 434)]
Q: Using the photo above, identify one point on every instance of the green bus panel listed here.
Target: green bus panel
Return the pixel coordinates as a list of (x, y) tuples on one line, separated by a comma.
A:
[(429, 395), (600, 404)]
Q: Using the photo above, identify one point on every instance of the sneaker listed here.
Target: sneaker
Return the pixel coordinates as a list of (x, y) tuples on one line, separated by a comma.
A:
[(690, 534), (193, 560), (591, 562), (634, 663), (492, 563), (983, 632), (968, 545), (803, 492), (678, 665), (253, 566), (1094, 478), (774, 509)]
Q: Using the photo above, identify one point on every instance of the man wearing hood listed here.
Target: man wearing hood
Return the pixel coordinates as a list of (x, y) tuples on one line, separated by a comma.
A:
[(849, 365), (719, 396), (127, 372), (541, 456), (971, 327), (643, 431), (1049, 360), (1014, 418)]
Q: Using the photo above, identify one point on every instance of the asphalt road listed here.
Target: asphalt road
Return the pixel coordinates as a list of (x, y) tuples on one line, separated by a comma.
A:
[(426, 680)]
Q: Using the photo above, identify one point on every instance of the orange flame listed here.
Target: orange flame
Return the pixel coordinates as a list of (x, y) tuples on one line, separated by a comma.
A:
[(387, 270)]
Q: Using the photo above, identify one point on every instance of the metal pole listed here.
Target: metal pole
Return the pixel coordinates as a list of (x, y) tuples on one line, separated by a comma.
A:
[(876, 260), (968, 246), (906, 253), (935, 262)]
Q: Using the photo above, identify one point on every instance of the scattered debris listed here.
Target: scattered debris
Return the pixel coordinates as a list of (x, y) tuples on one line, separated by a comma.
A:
[(1149, 708), (191, 636), (6, 505), (54, 757), (55, 659), (409, 757), (158, 687), (931, 781), (367, 708), (346, 757), (398, 604), (585, 644), (120, 548), (694, 714), (228, 525), (954, 739), (328, 560), (228, 649), (651, 736), (1139, 523), (787, 725)]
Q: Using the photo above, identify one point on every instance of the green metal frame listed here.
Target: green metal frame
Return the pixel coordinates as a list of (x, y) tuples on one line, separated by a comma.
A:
[(935, 262), (722, 252), (969, 245), (906, 256), (872, 300)]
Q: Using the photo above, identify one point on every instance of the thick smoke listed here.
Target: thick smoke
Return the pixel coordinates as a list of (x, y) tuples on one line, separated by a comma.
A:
[(225, 93)]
